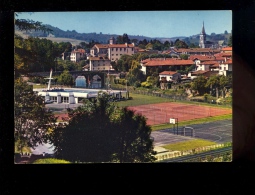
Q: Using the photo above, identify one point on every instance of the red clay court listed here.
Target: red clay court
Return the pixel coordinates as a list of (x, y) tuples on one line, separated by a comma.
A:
[(162, 112)]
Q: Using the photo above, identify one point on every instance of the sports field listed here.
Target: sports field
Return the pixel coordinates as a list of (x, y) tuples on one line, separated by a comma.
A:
[(162, 112)]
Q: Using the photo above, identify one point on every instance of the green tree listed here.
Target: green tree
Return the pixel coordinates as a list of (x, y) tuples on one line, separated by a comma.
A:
[(134, 142), (199, 84), (180, 44), (65, 78), (184, 56), (135, 73), (23, 53), (230, 41), (98, 131), (33, 123), (214, 83)]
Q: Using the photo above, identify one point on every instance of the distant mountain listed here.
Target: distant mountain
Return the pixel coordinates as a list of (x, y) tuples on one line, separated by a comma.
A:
[(88, 37), (104, 38)]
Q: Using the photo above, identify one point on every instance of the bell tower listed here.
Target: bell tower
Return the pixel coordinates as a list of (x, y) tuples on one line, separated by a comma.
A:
[(202, 37)]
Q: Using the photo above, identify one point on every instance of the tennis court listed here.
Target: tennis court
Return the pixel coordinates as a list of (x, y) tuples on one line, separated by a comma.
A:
[(162, 112)]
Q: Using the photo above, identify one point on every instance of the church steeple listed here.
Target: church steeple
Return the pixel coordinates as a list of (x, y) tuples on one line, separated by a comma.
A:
[(202, 37), (203, 29)]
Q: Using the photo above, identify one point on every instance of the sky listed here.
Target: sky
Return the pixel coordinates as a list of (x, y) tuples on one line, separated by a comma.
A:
[(165, 24)]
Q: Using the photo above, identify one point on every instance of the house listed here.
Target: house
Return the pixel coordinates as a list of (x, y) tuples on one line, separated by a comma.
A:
[(112, 51), (76, 55), (226, 50), (205, 65), (170, 75), (225, 68), (99, 63), (115, 51), (197, 51), (206, 73), (164, 64)]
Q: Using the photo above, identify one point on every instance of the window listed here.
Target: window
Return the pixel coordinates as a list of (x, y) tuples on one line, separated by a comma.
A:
[(124, 49), (116, 54), (112, 54), (116, 49), (112, 49), (120, 49)]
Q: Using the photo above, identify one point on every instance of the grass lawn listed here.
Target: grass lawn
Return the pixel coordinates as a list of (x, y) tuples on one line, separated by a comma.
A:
[(188, 145), (139, 99), (193, 122), (39, 86), (51, 161)]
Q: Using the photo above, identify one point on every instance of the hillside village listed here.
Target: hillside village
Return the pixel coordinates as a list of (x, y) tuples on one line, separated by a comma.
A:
[(157, 69), (179, 65), (117, 71)]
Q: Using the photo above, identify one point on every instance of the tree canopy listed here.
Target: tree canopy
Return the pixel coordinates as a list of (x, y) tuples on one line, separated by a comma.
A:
[(98, 131), (33, 122)]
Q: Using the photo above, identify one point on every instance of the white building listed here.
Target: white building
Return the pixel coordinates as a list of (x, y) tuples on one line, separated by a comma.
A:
[(225, 67), (76, 55), (169, 75), (115, 51), (112, 51)]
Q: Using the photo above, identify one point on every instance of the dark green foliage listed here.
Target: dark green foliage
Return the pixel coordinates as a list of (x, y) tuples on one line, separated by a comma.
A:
[(98, 131), (199, 84), (28, 25), (65, 78), (230, 41), (32, 122)]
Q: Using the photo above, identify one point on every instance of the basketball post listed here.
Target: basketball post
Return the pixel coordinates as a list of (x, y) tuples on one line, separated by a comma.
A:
[(174, 121)]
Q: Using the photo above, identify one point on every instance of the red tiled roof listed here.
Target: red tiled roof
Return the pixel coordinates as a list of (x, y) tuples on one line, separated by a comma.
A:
[(120, 45), (227, 54), (167, 62), (200, 57), (226, 49), (81, 50), (215, 65), (105, 46), (219, 59), (102, 46), (199, 72), (167, 73), (197, 50), (228, 62), (157, 59), (209, 62)]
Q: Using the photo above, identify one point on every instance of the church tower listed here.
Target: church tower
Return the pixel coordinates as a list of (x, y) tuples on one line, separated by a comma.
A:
[(112, 40), (202, 37)]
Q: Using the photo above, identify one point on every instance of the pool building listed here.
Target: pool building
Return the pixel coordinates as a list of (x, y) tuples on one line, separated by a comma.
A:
[(76, 95)]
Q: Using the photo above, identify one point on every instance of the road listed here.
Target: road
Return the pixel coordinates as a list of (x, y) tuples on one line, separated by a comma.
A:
[(202, 155)]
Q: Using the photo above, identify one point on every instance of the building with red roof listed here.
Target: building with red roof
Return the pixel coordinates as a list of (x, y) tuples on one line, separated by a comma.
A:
[(112, 51), (164, 64)]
